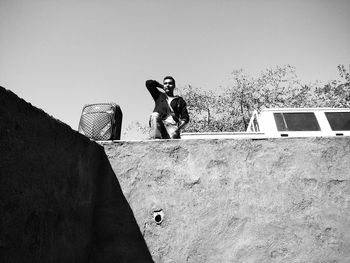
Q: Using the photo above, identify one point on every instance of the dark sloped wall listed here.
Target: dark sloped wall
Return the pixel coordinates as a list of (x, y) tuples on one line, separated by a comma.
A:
[(59, 198), (278, 200)]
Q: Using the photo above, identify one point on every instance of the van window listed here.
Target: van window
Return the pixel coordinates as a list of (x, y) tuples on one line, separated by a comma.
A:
[(296, 121), (339, 121)]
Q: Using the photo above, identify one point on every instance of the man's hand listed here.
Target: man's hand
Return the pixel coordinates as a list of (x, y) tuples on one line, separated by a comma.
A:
[(181, 125)]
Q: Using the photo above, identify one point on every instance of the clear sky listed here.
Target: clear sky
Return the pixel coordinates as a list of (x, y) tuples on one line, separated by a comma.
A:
[(62, 54)]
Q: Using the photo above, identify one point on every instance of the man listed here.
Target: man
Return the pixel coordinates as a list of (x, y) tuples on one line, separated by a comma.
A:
[(170, 112)]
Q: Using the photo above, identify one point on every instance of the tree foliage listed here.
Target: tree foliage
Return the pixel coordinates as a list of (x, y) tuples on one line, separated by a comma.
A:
[(136, 130), (230, 109), (202, 106)]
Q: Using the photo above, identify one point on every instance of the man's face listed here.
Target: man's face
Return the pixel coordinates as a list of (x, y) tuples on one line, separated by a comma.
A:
[(168, 85)]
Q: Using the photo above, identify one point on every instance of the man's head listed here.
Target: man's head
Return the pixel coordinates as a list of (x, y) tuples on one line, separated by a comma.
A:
[(169, 85)]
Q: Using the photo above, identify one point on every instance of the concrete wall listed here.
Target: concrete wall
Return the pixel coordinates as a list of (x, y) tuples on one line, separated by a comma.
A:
[(59, 198), (281, 200)]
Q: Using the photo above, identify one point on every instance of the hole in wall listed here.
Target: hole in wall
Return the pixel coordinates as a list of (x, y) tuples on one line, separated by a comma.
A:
[(158, 217)]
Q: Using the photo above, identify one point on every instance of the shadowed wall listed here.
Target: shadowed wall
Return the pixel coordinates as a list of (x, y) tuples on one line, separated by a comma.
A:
[(60, 200)]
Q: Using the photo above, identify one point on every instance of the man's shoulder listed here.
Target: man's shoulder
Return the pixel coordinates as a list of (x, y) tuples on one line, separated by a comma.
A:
[(178, 97), (181, 99)]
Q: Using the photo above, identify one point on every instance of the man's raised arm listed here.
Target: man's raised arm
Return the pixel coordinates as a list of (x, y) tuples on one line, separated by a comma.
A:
[(154, 87)]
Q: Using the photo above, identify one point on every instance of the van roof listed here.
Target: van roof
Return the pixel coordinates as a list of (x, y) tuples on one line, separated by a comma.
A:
[(304, 109)]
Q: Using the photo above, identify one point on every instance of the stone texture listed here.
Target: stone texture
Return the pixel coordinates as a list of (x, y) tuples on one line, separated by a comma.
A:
[(59, 198), (278, 200)]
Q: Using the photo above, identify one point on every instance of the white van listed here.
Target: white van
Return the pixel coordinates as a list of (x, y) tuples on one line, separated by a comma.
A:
[(288, 122)]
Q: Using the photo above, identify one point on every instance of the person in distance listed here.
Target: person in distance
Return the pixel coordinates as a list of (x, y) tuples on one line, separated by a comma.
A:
[(170, 113)]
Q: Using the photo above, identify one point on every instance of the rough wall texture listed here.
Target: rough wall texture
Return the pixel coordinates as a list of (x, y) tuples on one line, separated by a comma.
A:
[(281, 200), (59, 198)]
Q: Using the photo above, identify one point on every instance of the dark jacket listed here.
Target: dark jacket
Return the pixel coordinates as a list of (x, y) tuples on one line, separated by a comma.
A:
[(161, 105)]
